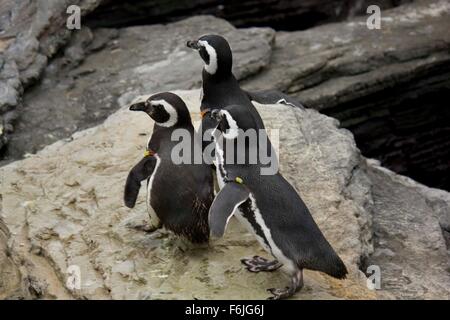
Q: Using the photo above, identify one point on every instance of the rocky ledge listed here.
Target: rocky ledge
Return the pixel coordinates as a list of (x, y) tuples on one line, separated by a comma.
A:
[(63, 207)]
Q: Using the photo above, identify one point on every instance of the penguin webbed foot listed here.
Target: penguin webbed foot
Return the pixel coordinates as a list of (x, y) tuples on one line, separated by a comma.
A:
[(145, 227), (258, 264), (278, 294), (296, 285)]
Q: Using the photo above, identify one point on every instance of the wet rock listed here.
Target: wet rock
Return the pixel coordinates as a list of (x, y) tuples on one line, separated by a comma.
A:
[(69, 196)]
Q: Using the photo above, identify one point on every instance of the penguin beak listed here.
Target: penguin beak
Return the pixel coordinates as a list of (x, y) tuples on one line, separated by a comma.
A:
[(140, 106), (193, 44)]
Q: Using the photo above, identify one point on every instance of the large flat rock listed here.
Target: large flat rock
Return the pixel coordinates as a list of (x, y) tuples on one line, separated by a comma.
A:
[(63, 207)]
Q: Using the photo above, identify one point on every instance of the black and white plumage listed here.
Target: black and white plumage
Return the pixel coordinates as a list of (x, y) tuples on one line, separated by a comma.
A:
[(178, 195), (273, 97), (270, 208), (221, 88)]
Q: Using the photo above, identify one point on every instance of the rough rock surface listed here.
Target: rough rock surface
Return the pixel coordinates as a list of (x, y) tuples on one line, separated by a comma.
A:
[(9, 272), (409, 243), (64, 207), (133, 60), (30, 33)]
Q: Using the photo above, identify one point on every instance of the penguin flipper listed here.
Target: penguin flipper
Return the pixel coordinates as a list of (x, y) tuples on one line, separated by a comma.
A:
[(273, 97), (224, 205), (140, 172)]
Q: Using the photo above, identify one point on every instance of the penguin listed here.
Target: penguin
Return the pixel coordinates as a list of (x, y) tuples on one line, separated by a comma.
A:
[(268, 206), (220, 87), (178, 195)]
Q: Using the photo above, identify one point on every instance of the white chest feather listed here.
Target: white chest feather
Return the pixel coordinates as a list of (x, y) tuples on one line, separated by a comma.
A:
[(154, 220), (219, 160), (288, 264)]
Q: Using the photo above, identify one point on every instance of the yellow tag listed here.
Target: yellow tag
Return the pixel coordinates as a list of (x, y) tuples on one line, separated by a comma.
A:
[(148, 153), (239, 180)]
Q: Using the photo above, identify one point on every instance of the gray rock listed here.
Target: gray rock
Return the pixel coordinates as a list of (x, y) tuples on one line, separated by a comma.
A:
[(390, 87), (10, 276), (30, 33), (409, 243), (312, 64), (102, 67), (11, 86)]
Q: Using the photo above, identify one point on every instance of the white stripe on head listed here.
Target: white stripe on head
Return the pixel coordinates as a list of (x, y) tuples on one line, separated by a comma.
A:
[(173, 115), (211, 67), (233, 131)]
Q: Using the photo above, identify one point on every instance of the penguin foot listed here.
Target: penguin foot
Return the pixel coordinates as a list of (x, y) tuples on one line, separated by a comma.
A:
[(278, 294), (258, 264), (144, 227), (147, 228), (296, 285)]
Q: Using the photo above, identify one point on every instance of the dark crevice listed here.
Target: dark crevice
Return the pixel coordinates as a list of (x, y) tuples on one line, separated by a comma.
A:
[(363, 264), (287, 15), (406, 127)]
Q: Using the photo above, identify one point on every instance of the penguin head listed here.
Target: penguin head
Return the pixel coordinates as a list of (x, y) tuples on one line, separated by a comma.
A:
[(166, 108), (231, 119), (215, 52)]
